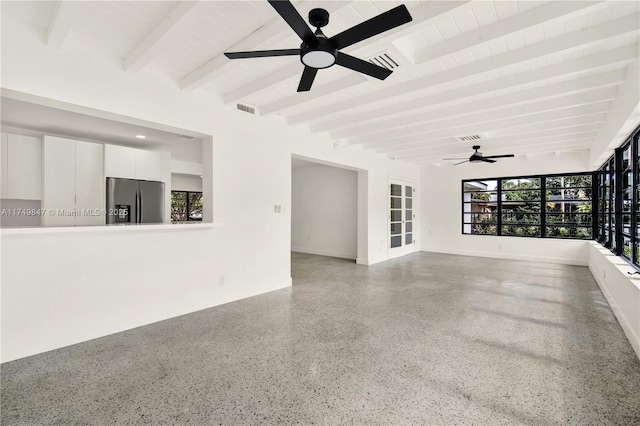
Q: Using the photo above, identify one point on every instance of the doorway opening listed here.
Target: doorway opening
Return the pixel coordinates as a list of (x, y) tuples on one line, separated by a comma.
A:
[(324, 209)]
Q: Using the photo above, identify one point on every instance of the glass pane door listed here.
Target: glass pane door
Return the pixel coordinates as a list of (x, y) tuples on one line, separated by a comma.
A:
[(396, 215), (401, 219), (408, 215)]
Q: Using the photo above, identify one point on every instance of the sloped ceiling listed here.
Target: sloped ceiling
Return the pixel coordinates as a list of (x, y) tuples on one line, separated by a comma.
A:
[(527, 77)]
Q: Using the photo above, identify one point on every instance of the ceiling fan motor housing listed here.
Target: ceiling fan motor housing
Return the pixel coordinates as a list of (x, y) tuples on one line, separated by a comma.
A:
[(476, 156), (318, 18)]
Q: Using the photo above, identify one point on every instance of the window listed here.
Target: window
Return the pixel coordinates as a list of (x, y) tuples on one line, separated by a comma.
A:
[(480, 207), (606, 198), (554, 206), (186, 206), (569, 204), (521, 207), (618, 214)]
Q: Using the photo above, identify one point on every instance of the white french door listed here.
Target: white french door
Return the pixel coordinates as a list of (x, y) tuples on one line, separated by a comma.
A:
[(401, 218)]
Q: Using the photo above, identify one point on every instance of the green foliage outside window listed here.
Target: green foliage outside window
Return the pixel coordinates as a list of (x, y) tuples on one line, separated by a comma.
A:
[(567, 203), (186, 206)]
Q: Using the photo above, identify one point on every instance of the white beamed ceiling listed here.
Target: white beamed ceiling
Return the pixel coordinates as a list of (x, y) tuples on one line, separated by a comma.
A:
[(533, 76)]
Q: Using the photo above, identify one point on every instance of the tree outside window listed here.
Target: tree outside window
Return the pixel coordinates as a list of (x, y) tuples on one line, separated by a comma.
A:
[(558, 206), (186, 206)]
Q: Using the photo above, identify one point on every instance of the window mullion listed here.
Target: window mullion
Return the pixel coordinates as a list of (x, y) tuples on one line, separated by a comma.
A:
[(543, 207), (595, 210), (617, 207), (634, 198), (499, 204)]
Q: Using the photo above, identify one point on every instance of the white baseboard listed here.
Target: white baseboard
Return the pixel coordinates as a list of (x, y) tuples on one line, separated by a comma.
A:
[(329, 253), (634, 339), (512, 256)]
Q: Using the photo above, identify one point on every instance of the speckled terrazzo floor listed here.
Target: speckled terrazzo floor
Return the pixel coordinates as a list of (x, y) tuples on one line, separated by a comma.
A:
[(426, 339)]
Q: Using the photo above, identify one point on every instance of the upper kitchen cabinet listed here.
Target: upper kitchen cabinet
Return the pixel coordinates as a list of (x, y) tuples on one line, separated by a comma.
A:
[(132, 163), (119, 161), (73, 182), (148, 165), (21, 167), (89, 182)]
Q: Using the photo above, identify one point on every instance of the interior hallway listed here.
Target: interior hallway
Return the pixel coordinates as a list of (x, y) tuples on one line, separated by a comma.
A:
[(425, 339)]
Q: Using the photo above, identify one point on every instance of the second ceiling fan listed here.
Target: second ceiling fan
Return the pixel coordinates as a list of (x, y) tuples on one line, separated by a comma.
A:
[(477, 157), (318, 52)]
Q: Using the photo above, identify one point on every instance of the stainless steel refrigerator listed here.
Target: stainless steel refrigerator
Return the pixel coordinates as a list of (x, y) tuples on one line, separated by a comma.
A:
[(131, 201)]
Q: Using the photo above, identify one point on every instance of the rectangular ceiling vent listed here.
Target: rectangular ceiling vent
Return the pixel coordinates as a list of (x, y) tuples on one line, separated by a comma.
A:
[(471, 138), (385, 60), (187, 137), (246, 108)]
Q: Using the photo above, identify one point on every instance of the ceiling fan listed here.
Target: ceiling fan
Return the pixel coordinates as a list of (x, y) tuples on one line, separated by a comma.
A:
[(318, 52), (477, 157)]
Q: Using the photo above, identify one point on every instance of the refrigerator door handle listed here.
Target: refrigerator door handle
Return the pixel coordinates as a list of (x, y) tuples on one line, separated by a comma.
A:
[(110, 201), (141, 206), (137, 218)]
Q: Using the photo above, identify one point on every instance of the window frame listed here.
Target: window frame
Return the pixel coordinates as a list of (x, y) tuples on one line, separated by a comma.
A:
[(611, 219), (543, 213), (188, 205)]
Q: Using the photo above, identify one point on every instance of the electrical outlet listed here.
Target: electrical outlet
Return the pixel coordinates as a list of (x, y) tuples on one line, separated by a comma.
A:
[(223, 280), (275, 208)]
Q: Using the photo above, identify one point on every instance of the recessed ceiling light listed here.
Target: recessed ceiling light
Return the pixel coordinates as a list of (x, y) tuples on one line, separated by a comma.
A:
[(141, 136)]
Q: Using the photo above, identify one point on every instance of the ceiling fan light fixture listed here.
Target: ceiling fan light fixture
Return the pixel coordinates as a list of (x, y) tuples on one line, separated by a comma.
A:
[(318, 59), (321, 56)]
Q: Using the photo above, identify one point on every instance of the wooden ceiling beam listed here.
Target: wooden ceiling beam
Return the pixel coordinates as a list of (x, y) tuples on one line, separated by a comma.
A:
[(575, 40), (484, 121), (583, 84), (576, 67), (160, 36)]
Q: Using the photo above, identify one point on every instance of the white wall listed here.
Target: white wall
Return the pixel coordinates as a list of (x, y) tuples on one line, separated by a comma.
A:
[(442, 211), (621, 290), (63, 288), (180, 182), (324, 210)]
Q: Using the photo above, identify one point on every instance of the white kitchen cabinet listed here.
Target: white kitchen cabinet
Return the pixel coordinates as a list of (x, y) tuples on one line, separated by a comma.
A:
[(132, 163), (24, 167), (119, 161), (59, 181), (3, 167), (73, 182), (21, 167), (90, 194), (148, 165)]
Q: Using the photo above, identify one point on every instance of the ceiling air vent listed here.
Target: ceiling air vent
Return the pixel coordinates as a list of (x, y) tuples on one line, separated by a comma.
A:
[(385, 60), (246, 108), (471, 138), (187, 137)]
